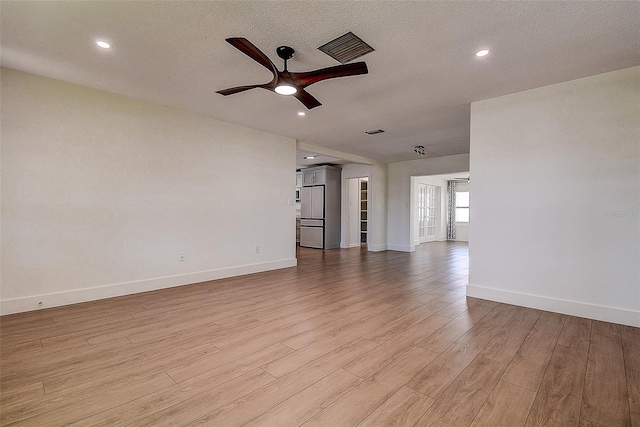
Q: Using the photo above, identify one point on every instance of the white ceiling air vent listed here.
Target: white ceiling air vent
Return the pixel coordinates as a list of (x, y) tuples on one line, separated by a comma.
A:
[(374, 131), (346, 48)]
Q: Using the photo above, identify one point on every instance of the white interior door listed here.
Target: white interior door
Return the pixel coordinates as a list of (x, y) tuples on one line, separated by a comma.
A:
[(431, 213), (422, 212)]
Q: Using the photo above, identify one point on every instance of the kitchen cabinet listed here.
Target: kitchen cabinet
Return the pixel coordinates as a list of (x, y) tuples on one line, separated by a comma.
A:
[(298, 179), (313, 176)]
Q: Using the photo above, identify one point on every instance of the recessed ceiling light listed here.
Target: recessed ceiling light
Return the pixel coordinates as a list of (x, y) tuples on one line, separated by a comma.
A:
[(483, 52), (309, 157), (103, 44), (302, 113)]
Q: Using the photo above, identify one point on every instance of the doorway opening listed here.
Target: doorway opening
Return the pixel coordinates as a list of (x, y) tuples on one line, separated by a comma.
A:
[(357, 211), (430, 208)]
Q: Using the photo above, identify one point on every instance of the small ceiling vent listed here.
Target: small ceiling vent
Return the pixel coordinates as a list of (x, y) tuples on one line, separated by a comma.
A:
[(373, 132), (346, 48)]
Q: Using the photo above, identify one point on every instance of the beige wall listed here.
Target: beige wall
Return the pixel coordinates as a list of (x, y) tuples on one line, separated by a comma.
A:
[(101, 193), (555, 174)]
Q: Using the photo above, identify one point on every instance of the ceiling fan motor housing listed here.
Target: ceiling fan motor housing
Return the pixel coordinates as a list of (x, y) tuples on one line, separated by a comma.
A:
[(285, 52)]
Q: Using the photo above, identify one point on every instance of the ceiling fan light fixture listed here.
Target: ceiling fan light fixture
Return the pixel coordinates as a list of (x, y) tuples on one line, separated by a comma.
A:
[(286, 89)]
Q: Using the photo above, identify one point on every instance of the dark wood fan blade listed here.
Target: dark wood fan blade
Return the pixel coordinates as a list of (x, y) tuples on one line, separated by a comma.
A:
[(236, 89), (307, 99), (305, 79), (246, 47)]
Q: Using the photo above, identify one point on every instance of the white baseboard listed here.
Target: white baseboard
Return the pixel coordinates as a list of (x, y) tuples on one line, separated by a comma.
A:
[(402, 248), (573, 308), (37, 302), (376, 248)]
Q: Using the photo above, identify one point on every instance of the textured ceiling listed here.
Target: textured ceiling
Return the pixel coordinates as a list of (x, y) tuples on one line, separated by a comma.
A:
[(422, 75)]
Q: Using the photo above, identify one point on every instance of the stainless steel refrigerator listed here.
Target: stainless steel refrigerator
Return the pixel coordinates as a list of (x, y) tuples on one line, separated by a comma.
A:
[(312, 217), (320, 210)]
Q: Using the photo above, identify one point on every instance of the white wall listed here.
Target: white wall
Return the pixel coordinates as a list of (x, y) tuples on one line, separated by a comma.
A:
[(377, 193), (351, 229), (101, 193), (556, 198), (400, 223), (441, 227), (462, 232)]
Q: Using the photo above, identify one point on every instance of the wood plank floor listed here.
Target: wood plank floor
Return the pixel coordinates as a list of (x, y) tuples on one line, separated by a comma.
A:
[(346, 338)]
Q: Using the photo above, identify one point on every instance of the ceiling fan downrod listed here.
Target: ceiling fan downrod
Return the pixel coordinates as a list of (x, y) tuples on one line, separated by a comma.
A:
[(286, 53)]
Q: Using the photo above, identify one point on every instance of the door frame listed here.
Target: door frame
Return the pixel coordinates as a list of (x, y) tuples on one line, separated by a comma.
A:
[(352, 235), (436, 208), (440, 191)]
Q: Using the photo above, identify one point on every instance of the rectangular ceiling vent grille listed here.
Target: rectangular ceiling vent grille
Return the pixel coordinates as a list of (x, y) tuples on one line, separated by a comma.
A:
[(346, 48), (373, 132)]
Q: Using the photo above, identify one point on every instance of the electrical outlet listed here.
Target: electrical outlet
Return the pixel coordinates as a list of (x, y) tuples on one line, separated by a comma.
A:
[(181, 257), (257, 249)]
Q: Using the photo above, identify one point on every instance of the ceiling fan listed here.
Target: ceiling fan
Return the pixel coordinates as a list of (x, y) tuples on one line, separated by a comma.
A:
[(289, 83)]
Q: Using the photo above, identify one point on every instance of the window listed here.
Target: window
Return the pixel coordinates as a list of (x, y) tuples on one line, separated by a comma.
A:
[(462, 206)]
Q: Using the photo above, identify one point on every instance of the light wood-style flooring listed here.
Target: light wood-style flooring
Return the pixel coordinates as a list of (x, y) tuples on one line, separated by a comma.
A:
[(346, 338)]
